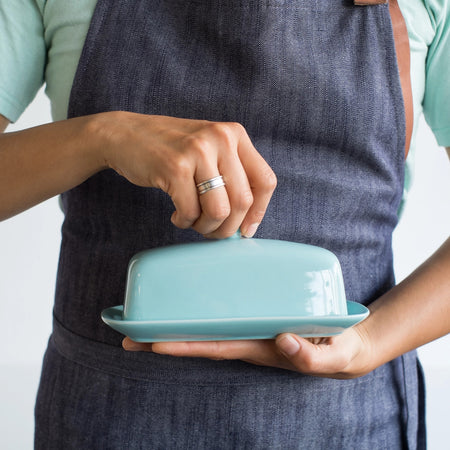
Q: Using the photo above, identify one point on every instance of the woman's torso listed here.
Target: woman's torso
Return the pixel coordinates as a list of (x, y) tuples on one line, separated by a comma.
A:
[(334, 137)]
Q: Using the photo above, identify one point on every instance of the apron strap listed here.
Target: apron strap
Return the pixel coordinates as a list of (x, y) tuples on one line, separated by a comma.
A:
[(403, 60)]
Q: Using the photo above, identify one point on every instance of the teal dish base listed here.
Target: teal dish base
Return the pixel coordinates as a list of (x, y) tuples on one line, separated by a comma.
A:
[(232, 329)]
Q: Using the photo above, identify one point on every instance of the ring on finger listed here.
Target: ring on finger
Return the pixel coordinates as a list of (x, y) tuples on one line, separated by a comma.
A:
[(210, 184)]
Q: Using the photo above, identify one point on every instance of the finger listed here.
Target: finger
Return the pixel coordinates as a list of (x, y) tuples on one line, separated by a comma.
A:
[(215, 204), (239, 194), (133, 346), (187, 205), (262, 181), (323, 359), (183, 192), (218, 350), (224, 208)]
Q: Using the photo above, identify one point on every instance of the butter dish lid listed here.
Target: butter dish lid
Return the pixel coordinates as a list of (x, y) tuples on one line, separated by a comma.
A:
[(235, 277)]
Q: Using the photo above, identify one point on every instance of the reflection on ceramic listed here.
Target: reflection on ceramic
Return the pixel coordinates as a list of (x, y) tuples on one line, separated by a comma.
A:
[(244, 287)]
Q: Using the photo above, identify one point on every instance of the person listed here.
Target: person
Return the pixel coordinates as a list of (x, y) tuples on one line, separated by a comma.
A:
[(300, 108)]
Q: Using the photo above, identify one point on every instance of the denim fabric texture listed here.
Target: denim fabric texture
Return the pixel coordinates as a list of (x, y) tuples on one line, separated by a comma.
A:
[(96, 396), (315, 83)]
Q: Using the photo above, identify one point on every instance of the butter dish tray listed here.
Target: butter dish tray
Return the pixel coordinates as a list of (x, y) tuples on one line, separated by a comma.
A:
[(232, 328)]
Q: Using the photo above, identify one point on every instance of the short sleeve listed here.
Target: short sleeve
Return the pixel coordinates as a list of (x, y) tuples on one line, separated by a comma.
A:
[(436, 104), (22, 55)]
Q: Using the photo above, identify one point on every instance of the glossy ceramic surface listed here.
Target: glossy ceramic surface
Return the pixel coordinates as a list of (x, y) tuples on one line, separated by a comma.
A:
[(228, 329), (233, 289), (234, 278)]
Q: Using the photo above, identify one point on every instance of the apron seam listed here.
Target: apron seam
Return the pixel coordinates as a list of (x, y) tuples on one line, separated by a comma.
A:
[(116, 372)]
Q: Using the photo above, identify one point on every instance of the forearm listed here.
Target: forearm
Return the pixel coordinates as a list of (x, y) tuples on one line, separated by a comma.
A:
[(41, 162), (413, 313)]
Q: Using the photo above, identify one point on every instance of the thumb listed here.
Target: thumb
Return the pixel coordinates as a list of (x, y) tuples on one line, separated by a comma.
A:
[(318, 359)]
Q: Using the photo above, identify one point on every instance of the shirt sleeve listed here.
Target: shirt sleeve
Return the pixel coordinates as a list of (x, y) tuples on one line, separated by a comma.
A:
[(436, 103), (22, 55)]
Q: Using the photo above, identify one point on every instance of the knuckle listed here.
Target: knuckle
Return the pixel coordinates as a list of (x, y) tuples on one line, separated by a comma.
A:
[(237, 128), (198, 145), (218, 353), (220, 129), (245, 200), (227, 132), (190, 214), (181, 167), (163, 184), (270, 180), (258, 215), (218, 212)]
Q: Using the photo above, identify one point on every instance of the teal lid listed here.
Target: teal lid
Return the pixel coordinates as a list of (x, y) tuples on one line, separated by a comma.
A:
[(234, 278)]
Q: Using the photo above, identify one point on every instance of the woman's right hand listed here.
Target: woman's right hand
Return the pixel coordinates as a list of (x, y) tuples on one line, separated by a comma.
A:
[(176, 154), (152, 151)]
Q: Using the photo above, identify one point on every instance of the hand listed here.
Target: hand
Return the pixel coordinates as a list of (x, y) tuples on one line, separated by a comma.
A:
[(414, 312), (344, 356), (176, 154)]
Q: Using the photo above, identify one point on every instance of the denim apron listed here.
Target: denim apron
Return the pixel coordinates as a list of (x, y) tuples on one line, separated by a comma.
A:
[(316, 85)]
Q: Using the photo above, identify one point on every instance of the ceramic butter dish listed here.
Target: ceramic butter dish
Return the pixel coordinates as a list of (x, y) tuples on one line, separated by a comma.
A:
[(233, 289)]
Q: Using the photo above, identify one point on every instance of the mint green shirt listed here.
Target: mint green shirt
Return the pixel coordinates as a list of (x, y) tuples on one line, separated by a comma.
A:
[(41, 42)]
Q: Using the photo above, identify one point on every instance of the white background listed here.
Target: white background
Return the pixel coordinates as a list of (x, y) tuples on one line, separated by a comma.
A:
[(29, 246)]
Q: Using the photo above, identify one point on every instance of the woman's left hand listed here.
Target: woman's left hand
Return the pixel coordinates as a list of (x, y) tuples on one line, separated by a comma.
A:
[(345, 356), (414, 312)]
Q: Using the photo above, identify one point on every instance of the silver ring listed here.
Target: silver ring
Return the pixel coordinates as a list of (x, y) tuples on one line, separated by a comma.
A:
[(210, 184)]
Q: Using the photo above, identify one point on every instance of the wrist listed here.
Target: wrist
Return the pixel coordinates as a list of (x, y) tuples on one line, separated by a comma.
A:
[(365, 359), (379, 346), (100, 138)]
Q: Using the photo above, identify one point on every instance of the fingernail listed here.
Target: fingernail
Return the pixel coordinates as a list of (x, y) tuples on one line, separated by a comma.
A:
[(250, 230), (288, 345)]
